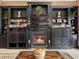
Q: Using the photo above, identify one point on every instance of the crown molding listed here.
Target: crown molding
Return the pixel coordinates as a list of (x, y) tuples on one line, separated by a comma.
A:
[(14, 3), (0, 2), (64, 3), (77, 2), (25, 2)]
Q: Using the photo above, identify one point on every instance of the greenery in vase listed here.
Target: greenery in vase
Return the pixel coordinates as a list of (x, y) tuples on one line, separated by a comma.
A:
[(40, 10)]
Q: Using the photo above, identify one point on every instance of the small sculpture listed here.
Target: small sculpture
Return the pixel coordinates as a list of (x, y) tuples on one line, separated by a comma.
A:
[(19, 13), (39, 53), (59, 13)]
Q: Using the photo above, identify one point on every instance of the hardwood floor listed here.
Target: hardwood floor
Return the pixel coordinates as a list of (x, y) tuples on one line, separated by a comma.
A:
[(13, 53)]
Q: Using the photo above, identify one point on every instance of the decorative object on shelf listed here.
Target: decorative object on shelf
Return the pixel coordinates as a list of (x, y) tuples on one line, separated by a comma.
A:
[(4, 21), (29, 22), (59, 14), (19, 14), (65, 20), (53, 20), (39, 53), (18, 23), (40, 10), (59, 20)]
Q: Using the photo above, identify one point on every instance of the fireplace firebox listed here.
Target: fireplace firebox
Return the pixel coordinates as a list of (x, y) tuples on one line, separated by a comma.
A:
[(39, 39)]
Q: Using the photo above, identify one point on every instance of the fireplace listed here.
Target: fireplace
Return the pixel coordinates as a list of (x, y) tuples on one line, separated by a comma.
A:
[(39, 39)]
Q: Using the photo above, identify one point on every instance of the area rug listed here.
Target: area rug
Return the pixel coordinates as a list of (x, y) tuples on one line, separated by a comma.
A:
[(54, 55)]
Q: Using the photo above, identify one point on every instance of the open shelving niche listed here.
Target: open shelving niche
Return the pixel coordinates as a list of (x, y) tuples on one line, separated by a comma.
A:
[(74, 24), (17, 27), (62, 28), (3, 27), (39, 15)]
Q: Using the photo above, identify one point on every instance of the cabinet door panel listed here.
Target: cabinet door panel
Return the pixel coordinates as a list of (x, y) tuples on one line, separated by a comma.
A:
[(3, 41), (22, 36), (13, 36), (56, 33), (64, 33)]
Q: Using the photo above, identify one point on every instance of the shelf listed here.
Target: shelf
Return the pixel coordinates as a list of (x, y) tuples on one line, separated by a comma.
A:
[(60, 20), (18, 17), (19, 20)]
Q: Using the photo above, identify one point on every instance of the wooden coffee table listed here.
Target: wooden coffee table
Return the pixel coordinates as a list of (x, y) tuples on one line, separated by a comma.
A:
[(48, 55)]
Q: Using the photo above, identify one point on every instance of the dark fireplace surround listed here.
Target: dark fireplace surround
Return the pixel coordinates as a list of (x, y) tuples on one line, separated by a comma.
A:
[(39, 37)]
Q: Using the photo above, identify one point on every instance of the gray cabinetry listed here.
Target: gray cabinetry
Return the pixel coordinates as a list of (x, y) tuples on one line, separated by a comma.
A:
[(62, 38), (17, 39), (3, 41)]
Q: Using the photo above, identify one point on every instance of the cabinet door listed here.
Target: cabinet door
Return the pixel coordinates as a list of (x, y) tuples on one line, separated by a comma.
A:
[(12, 36), (67, 42), (62, 38), (3, 41), (56, 38), (56, 33), (65, 37), (22, 36), (21, 39)]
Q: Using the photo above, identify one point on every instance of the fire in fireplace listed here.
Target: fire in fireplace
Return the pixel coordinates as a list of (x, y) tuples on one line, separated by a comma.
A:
[(39, 39)]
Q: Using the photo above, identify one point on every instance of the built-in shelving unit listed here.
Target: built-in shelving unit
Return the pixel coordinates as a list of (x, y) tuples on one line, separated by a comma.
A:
[(60, 15), (61, 28), (18, 19), (17, 27), (25, 27)]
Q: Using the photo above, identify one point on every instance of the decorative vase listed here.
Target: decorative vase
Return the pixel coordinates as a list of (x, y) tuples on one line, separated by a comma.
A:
[(39, 53), (19, 13), (59, 14)]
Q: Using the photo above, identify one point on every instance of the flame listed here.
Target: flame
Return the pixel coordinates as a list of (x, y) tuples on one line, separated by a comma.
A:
[(40, 39)]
